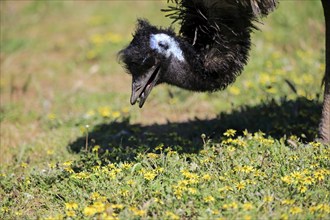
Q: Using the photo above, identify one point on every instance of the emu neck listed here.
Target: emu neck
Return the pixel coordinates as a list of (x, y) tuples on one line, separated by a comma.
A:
[(213, 67)]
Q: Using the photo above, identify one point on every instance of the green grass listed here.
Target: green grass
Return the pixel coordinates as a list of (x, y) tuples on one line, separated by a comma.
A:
[(73, 147)]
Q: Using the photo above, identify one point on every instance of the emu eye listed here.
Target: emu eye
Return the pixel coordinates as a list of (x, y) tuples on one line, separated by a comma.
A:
[(148, 61), (163, 45)]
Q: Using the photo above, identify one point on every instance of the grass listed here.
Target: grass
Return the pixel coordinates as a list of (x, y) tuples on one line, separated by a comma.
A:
[(72, 147)]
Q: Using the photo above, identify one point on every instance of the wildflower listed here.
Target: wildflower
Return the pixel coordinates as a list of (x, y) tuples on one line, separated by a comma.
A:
[(230, 133), (225, 188), (124, 192), (209, 199), (4, 209), (284, 217), (50, 152), (295, 210), (81, 175), (231, 149), (159, 147), (104, 111), (126, 165), (95, 196), (247, 169), (51, 116), (152, 155), (67, 163), (115, 114), (130, 182), (149, 175), (89, 211), (189, 175), (24, 165), (268, 199), (287, 202), (69, 169), (171, 215), (302, 188), (70, 213), (234, 90), (241, 185), (207, 177), (178, 193), (287, 179), (96, 148), (99, 206), (192, 190), (247, 206), (319, 176), (138, 212), (71, 205), (117, 206), (159, 201)]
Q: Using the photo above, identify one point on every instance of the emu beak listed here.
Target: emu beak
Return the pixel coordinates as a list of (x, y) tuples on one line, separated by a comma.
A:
[(142, 85)]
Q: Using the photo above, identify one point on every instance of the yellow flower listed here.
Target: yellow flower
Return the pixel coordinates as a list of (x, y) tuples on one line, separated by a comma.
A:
[(234, 90), (124, 192), (68, 169), (138, 212), (96, 148), (241, 185), (225, 188), (89, 211), (70, 213), (152, 155), (207, 177), (95, 196), (302, 189), (295, 210), (115, 114), (130, 182), (104, 111), (209, 199), (51, 116), (247, 206), (247, 217), (287, 202), (268, 199), (24, 165), (192, 190), (50, 152), (284, 217), (247, 169), (230, 133), (149, 175), (71, 205), (126, 165), (99, 206), (171, 215), (67, 163), (117, 206)]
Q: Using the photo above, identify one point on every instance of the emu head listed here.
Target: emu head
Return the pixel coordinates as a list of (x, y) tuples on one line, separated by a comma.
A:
[(148, 57)]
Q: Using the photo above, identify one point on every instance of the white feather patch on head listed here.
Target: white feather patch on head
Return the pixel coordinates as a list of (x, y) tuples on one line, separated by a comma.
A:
[(156, 40)]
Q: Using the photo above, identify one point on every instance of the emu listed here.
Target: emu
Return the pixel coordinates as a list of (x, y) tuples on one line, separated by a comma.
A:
[(209, 52)]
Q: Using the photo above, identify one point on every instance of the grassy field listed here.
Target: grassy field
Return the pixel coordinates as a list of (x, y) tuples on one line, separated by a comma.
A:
[(72, 147)]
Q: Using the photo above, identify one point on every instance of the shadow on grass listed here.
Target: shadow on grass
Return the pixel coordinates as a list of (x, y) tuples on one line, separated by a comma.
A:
[(124, 140)]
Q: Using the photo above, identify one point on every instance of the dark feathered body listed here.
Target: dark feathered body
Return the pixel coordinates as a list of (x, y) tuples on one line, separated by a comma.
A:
[(219, 31)]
